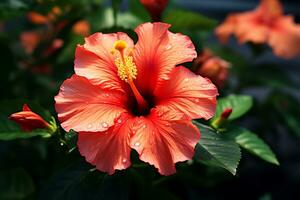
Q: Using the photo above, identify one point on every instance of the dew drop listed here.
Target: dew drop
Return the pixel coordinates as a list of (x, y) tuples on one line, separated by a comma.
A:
[(197, 100), (119, 121), (61, 144), (167, 124), (137, 144), (168, 47), (104, 125), (144, 126), (186, 80), (174, 36), (90, 126), (124, 160)]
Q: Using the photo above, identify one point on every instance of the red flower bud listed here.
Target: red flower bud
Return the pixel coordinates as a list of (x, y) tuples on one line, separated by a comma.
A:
[(28, 119), (155, 8), (213, 67), (226, 113)]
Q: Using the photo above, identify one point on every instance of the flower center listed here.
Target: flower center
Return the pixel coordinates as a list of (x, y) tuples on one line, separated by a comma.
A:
[(127, 71)]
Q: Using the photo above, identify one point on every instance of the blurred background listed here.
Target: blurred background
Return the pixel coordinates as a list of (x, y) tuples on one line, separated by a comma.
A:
[(37, 54)]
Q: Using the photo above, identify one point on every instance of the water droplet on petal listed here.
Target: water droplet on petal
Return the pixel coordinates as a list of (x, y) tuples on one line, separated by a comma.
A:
[(174, 36), (186, 80), (124, 160), (197, 100), (104, 125), (167, 124), (144, 126), (168, 47), (137, 144), (119, 121), (90, 126)]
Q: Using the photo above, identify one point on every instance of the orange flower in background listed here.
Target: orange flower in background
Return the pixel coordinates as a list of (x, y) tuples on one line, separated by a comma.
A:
[(37, 18), (30, 40), (155, 8), (213, 67), (29, 120), (132, 96), (81, 27), (266, 24)]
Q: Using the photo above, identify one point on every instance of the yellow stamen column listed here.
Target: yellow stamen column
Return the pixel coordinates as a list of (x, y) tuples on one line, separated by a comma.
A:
[(127, 72)]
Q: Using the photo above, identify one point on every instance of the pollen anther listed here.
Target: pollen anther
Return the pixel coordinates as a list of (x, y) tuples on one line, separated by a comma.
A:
[(127, 70)]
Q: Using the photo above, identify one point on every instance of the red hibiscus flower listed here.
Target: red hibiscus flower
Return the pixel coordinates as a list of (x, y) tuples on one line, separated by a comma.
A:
[(266, 24), (125, 96), (29, 120), (155, 8)]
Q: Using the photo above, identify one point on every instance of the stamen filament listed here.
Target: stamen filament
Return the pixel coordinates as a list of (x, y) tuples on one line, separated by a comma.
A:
[(127, 72)]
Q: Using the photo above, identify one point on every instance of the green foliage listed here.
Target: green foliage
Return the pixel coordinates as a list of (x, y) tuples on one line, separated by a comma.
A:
[(15, 184), (240, 104), (252, 143), (217, 150), (66, 182), (71, 140), (287, 109), (188, 20), (12, 8)]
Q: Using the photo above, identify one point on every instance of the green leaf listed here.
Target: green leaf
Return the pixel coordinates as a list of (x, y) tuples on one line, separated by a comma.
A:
[(13, 135), (15, 184), (80, 181), (187, 20), (252, 143), (240, 104), (66, 183), (217, 150)]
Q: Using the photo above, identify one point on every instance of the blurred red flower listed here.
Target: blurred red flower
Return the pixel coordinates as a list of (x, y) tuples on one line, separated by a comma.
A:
[(213, 67), (155, 8), (266, 24), (29, 120), (127, 96)]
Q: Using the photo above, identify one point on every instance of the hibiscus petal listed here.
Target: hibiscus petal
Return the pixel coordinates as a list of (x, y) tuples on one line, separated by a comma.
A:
[(285, 38), (95, 61), (224, 30), (109, 150), (251, 21), (82, 106), (187, 93), (157, 52), (162, 142)]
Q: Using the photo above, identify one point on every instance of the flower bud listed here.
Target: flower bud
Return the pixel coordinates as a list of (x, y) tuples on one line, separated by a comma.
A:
[(155, 8), (29, 120), (210, 66)]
